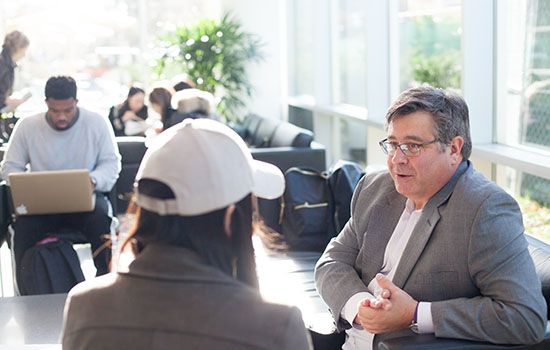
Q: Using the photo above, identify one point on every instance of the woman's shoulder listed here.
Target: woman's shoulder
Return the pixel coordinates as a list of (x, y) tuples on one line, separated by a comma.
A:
[(85, 296), (93, 286)]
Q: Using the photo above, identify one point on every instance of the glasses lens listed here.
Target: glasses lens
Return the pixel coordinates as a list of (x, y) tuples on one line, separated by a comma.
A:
[(388, 148), (409, 149)]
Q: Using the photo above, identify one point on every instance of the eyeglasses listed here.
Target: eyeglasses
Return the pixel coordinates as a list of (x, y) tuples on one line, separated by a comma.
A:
[(409, 149)]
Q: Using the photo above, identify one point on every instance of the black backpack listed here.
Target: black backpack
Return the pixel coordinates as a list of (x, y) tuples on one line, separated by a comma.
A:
[(51, 266), (315, 206), (342, 179), (306, 221)]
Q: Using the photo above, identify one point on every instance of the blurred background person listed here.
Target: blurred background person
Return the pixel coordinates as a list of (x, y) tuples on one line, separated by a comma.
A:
[(14, 48), (193, 283), (193, 103), (184, 84), (161, 102), (174, 107), (129, 117)]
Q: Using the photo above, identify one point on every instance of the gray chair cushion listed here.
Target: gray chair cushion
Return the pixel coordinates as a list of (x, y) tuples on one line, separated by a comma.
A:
[(265, 130), (291, 135), (251, 124)]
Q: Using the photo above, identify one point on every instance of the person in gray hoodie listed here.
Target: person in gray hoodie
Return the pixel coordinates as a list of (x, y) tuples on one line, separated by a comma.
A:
[(65, 137)]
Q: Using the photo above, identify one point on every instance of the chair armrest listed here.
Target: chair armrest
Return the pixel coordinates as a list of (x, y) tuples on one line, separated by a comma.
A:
[(430, 342)]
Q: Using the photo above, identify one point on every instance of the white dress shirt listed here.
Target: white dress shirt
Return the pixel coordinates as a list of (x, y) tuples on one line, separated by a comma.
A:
[(357, 337)]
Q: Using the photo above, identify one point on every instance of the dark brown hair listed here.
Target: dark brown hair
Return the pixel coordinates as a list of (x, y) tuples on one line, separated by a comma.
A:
[(203, 234), (15, 41), (163, 98), (449, 112)]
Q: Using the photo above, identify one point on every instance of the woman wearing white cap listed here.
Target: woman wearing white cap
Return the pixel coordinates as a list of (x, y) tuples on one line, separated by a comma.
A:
[(193, 284)]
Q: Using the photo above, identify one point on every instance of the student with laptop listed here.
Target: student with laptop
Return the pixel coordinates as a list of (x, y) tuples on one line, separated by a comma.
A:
[(63, 138)]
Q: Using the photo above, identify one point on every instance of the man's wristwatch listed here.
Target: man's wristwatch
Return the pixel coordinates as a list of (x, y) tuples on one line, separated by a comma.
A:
[(414, 324), (414, 327)]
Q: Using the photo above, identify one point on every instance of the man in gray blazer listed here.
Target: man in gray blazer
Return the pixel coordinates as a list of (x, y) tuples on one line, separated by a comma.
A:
[(432, 246)]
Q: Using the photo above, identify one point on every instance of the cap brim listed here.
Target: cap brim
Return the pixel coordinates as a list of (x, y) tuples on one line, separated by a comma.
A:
[(269, 182)]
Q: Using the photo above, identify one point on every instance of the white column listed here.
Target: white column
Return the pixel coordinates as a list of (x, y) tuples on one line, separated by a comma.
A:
[(478, 67), (382, 70), (322, 76), (322, 32), (378, 59), (264, 19)]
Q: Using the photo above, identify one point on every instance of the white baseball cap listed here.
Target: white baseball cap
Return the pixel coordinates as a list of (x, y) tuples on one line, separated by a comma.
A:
[(207, 166)]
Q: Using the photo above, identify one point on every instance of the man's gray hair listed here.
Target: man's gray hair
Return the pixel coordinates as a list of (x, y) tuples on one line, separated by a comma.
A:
[(448, 109)]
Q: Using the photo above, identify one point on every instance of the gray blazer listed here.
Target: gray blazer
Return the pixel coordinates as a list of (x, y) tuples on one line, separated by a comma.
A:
[(467, 255), (169, 299)]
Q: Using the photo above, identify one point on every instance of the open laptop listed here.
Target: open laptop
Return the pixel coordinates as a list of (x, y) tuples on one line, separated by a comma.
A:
[(52, 192)]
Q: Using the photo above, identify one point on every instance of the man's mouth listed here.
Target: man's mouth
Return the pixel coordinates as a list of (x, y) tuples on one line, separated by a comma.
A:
[(403, 175), (61, 125)]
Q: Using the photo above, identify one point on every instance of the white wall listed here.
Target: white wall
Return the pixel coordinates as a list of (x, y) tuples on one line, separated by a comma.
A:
[(269, 76)]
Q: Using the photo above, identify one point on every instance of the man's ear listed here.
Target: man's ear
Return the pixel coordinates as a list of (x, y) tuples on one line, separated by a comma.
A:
[(455, 148), (227, 219)]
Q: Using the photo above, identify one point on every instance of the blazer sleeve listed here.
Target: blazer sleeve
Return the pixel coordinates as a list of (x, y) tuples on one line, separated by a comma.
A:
[(510, 308), (336, 267)]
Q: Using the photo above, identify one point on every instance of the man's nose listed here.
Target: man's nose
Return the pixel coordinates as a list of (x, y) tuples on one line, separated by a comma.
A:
[(399, 157)]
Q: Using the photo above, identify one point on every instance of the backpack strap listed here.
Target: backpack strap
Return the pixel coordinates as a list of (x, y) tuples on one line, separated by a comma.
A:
[(56, 271)]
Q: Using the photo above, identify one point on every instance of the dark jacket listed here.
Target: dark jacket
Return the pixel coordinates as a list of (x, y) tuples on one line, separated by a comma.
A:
[(7, 75), (115, 117)]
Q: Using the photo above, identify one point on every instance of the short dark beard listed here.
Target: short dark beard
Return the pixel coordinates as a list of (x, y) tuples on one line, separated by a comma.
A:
[(52, 124)]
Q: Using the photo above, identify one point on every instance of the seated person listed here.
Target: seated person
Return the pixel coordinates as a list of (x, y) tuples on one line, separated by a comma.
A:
[(65, 137), (161, 102), (184, 84), (193, 283), (432, 246), (194, 103), (128, 118)]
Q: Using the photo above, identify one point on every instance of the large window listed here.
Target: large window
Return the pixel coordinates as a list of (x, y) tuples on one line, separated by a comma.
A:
[(353, 141), (534, 199), (350, 48), (523, 108), (430, 43), (300, 39), (103, 44)]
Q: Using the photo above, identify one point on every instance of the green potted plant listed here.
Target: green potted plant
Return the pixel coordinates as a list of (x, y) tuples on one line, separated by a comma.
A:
[(214, 54)]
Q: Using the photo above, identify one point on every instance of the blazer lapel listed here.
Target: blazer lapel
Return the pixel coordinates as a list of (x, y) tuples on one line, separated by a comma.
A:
[(419, 237), (379, 232), (424, 228)]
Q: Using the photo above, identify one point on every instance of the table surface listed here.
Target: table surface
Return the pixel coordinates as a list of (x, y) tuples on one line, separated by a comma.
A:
[(34, 319)]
